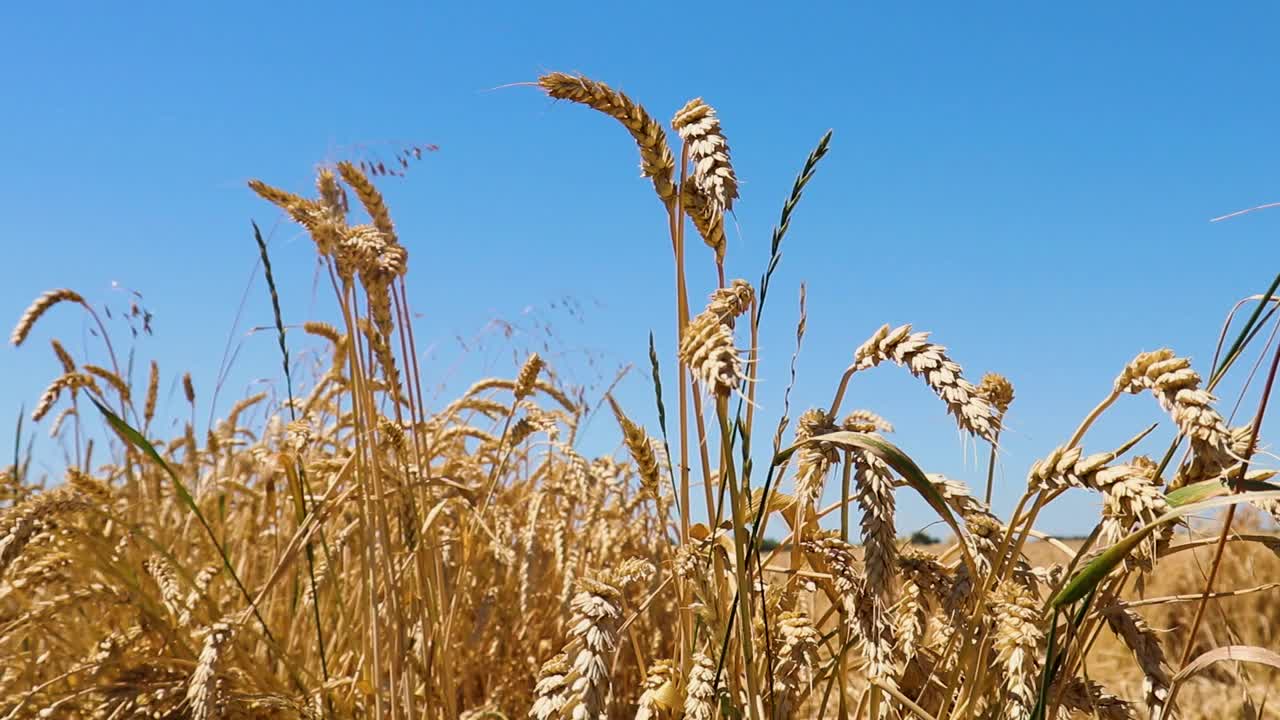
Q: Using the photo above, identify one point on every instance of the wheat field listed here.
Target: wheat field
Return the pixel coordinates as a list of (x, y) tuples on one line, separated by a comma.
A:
[(344, 550)]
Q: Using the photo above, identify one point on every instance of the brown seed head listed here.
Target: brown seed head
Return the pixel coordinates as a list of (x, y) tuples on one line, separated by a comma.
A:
[(39, 308), (656, 160)]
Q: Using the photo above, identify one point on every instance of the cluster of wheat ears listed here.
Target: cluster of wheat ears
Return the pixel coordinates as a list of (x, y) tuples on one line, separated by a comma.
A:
[(348, 552)]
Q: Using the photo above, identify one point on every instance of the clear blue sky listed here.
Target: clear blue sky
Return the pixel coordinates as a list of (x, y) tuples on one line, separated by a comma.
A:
[(1032, 182)]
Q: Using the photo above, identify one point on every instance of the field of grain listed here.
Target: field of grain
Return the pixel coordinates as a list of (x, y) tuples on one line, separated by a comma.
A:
[(347, 551)]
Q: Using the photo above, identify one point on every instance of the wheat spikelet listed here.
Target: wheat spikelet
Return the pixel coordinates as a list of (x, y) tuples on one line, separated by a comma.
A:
[(153, 388), (110, 378), (64, 357), (911, 618), (864, 617), (325, 219), (203, 580), (930, 363), (958, 497), (707, 348), (1088, 697), (70, 381), (330, 191), (641, 449), (728, 303), (997, 391), (1017, 642), (22, 522), (706, 221), (1136, 635), (39, 308), (593, 631), (188, 389), (656, 160), (713, 175), (815, 459), (796, 658), (659, 693), (1177, 389), (44, 573), (167, 580), (527, 378), (324, 330), (501, 384), (296, 205), (233, 415), (203, 697), (322, 221), (1069, 467), (1202, 468), (865, 421), (699, 692), (56, 426), (90, 488), (874, 493), (1132, 495), (370, 198)]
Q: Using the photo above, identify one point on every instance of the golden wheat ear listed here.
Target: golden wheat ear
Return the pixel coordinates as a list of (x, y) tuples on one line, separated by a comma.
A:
[(712, 187), (37, 310), (656, 159)]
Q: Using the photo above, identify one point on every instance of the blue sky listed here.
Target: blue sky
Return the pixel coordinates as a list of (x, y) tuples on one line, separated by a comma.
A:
[(1031, 182)]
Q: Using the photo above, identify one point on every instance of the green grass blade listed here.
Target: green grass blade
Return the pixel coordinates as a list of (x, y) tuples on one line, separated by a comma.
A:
[(1238, 345), (662, 418), (17, 447), (1088, 577), (1204, 490)]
